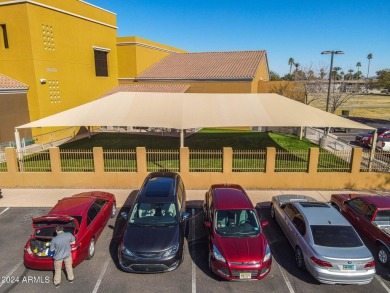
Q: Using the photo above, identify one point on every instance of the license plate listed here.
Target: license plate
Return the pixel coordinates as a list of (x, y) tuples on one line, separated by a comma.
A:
[(245, 275), (349, 267)]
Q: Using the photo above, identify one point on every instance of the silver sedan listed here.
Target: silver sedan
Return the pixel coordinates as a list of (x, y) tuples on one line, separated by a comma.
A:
[(324, 242)]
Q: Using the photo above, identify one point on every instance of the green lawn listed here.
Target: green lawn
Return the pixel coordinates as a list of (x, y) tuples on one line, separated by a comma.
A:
[(206, 139)]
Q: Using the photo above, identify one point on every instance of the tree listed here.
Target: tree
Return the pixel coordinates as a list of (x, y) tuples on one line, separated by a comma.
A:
[(342, 75), (369, 57), (296, 66), (322, 73), (358, 65), (335, 73), (349, 76), (291, 62), (383, 79), (337, 99), (273, 76)]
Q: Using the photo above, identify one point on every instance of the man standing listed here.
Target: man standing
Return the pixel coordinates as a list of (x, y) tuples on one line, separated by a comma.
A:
[(61, 247)]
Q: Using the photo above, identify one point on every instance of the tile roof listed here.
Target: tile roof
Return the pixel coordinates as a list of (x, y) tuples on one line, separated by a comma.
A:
[(157, 88), (8, 83), (206, 65)]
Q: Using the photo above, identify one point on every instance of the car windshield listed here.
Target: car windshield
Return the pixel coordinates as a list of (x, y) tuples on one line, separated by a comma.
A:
[(154, 214), (335, 236), (382, 216), (236, 223)]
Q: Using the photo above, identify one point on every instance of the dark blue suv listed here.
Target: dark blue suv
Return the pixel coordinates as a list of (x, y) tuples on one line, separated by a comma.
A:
[(154, 236)]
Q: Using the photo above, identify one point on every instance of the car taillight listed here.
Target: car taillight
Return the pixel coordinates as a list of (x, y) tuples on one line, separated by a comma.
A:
[(321, 263), (371, 264), (74, 248), (383, 144), (28, 249)]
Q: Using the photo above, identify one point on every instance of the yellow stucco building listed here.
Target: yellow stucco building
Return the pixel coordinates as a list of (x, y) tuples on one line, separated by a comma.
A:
[(67, 53)]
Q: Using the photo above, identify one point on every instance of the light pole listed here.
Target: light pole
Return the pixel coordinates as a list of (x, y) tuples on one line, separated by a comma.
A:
[(330, 73)]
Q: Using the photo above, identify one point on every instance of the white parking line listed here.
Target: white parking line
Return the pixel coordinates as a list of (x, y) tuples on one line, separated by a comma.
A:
[(382, 283), (193, 256), (11, 272), (4, 211), (290, 288), (99, 281)]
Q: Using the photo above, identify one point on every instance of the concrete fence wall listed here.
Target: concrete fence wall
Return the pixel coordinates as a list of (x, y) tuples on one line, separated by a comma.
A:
[(354, 179)]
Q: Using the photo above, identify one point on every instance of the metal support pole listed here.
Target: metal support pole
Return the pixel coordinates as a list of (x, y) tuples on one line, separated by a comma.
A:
[(18, 149), (301, 133), (372, 152), (330, 81), (182, 138)]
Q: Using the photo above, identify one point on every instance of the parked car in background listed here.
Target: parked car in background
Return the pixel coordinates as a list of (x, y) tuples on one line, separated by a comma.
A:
[(238, 249), (370, 215), (383, 144), (324, 242), (153, 238), (365, 138), (84, 215)]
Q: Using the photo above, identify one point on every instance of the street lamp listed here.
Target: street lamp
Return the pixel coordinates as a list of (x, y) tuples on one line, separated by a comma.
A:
[(330, 73)]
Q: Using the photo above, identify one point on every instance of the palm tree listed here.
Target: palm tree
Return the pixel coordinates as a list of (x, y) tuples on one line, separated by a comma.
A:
[(322, 73), (358, 65), (335, 72), (350, 74), (291, 62), (369, 57), (296, 66), (342, 75)]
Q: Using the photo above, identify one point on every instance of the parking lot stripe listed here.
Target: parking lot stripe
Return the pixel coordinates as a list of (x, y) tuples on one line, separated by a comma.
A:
[(12, 271), (101, 276), (382, 283), (193, 254), (4, 211), (290, 288)]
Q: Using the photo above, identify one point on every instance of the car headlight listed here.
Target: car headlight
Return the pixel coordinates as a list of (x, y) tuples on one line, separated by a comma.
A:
[(172, 250), (126, 251), (218, 255), (267, 256)]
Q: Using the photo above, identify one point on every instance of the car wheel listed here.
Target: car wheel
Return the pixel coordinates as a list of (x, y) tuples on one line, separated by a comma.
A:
[(113, 211), (91, 249), (272, 211), (383, 255), (210, 262), (299, 260)]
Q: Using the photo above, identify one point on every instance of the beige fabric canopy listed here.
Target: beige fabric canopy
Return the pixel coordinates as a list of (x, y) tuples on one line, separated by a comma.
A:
[(190, 110)]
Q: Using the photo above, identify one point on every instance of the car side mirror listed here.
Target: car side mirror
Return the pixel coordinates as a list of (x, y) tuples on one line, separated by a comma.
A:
[(124, 215), (207, 224), (264, 224), (346, 202)]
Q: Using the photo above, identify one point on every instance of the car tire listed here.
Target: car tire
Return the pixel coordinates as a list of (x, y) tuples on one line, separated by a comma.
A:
[(299, 259), (113, 210), (383, 255), (91, 249), (272, 211)]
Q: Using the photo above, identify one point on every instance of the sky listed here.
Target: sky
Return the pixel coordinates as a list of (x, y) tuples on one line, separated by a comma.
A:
[(285, 28)]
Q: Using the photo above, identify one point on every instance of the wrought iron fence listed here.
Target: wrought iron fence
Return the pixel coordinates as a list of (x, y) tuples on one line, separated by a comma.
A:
[(162, 160), (120, 161), (380, 162), (335, 161), (3, 162), (292, 161), (77, 161), (206, 160), (31, 161), (249, 160)]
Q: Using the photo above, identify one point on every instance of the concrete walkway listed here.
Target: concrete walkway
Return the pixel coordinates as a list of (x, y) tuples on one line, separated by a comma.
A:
[(49, 197)]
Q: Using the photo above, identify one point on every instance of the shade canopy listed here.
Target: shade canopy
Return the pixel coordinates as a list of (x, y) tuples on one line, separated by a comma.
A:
[(190, 110)]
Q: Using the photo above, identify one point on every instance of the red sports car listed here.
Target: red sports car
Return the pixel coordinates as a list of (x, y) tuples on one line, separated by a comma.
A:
[(84, 215)]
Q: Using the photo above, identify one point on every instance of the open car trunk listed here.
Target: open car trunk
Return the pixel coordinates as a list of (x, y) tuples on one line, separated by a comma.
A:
[(45, 231)]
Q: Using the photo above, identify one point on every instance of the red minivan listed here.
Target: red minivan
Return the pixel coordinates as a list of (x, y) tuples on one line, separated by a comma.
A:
[(238, 249), (84, 215)]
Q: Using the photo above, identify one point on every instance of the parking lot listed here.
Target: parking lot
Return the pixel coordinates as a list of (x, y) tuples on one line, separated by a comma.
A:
[(101, 274)]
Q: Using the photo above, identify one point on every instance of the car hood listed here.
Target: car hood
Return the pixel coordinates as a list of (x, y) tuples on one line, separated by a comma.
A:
[(351, 253), (150, 238), (246, 249)]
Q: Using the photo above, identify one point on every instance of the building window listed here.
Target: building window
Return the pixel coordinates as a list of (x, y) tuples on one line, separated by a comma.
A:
[(5, 37), (101, 66)]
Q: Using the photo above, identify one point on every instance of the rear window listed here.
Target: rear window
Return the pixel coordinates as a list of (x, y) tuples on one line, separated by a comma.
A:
[(335, 236), (159, 187)]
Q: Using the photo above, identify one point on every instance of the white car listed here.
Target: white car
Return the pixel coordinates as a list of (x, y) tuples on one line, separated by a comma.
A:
[(383, 144)]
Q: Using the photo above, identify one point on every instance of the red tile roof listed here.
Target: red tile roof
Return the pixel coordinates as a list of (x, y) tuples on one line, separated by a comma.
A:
[(207, 65), (158, 88), (7, 83)]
